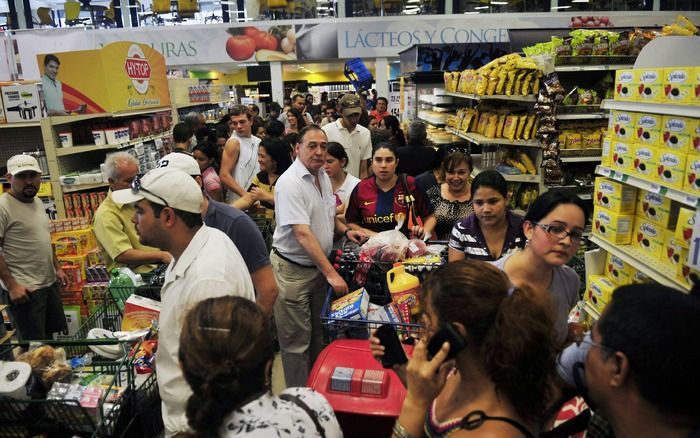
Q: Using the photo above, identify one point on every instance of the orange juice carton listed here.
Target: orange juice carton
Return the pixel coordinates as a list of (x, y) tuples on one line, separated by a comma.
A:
[(621, 157), (674, 255), (644, 161), (139, 313), (606, 151), (677, 133), (615, 196), (617, 270), (657, 209), (684, 227), (650, 84), (611, 226), (351, 306), (626, 82), (622, 125), (671, 168), (649, 237), (691, 183), (600, 291), (678, 85), (648, 130)]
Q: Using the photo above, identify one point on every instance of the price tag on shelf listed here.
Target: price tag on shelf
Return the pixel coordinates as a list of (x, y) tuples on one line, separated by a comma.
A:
[(158, 142), (694, 252), (617, 176), (655, 188), (691, 200), (604, 171)]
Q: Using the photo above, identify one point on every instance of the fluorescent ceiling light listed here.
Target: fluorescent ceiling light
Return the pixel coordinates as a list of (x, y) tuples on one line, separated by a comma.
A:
[(480, 7), (580, 1), (559, 7), (499, 3)]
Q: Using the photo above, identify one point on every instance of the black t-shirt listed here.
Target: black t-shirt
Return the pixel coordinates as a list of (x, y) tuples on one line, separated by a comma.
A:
[(415, 159)]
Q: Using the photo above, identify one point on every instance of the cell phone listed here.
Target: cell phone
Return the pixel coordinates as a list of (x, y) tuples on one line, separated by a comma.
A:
[(393, 350), (447, 333)]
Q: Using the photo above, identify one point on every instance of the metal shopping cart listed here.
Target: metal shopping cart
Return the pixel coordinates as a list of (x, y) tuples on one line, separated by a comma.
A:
[(266, 225)]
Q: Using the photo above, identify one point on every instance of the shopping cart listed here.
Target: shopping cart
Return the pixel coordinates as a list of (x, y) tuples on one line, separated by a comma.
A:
[(266, 225), (151, 289)]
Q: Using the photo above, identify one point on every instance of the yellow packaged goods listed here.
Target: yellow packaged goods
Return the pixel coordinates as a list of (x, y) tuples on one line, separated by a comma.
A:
[(501, 124), (679, 85), (466, 78), (692, 175), (613, 227), (600, 291), (71, 243), (671, 168), (617, 270), (492, 126), (139, 313), (81, 261), (510, 82), (467, 120), (606, 146), (522, 121), (684, 227), (519, 79), (625, 85), (677, 133), (573, 141), (640, 277), (590, 140), (649, 127), (483, 123), (695, 133), (615, 196), (650, 88), (649, 237), (673, 254), (510, 126), (687, 275), (527, 83), (527, 132), (447, 79), (481, 83), (645, 159), (657, 208), (622, 124), (621, 157), (501, 85)]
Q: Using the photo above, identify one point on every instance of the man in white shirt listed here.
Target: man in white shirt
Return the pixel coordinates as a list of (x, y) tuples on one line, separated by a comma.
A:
[(239, 161), (303, 239), (355, 138), (205, 264), (299, 103)]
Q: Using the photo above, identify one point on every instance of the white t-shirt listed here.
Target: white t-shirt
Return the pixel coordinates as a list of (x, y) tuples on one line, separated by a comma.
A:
[(247, 165), (357, 144), (210, 266), (345, 190), (298, 202)]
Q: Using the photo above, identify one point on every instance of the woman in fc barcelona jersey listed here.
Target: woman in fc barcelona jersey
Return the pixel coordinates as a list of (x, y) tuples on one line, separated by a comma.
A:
[(379, 202)]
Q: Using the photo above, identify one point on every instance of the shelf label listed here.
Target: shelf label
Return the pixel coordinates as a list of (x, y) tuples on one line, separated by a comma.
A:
[(655, 188), (691, 200), (694, 253), (604, 171), (159, 142), (619, 176)]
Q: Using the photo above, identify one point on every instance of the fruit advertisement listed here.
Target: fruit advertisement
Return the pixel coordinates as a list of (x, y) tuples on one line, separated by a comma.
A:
[(261, 43)]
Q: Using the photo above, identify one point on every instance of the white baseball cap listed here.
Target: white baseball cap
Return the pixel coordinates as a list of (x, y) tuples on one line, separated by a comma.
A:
[(22, 163), (165, 186), (180, 161)]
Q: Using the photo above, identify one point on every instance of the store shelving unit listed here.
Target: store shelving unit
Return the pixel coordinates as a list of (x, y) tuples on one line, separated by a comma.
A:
[(671, 193), (591, 311), (432, 122), (20, 125), (514, 98), (582, 159), (655, 108), (588, 116), (600, 67), (483, 140), (63, 152)]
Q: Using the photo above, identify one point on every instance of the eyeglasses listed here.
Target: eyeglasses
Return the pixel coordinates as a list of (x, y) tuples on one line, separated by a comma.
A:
[(136, 188), (559, 232)]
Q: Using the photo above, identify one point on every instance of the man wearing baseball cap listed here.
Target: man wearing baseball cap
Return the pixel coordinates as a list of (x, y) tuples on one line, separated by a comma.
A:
[(29, 270), (205, 264), (239, 227), (355, 138)]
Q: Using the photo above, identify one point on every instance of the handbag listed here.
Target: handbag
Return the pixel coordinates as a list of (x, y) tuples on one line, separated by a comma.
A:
[(314, 416)]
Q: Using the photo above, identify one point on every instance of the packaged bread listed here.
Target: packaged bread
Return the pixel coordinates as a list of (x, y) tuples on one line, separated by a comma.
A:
[(501, 123), (492, 125), (510, 126)]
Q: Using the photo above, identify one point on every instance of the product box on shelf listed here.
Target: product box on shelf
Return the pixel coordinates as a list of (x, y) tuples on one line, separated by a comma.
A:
[(600, 291), (639, 277), (615, 196), (691, 183), (684, 227), (3, 117), (649, 237), (622, 125), (687, 275), (650, 88), (626, 83), (679, 86), (617, 270), (695, 134), (645, 159), (606, 151), (23, 102), (79, 260), (677, 133), (648, 129), (673, 254), (657, 209), (611, 226), (671, 168), (73, 243), (621, 156)]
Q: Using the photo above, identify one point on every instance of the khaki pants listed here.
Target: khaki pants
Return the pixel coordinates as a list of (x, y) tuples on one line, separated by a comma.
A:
[(302, 292)]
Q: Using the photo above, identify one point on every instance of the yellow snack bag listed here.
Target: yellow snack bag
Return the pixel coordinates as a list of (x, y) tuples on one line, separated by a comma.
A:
[(501, 124), (528, 126), (492, 125), (481, 83), (510, 126), (574, 141), (527, 83), (510, 84), (475, 121), (483, 121), (522, 121)]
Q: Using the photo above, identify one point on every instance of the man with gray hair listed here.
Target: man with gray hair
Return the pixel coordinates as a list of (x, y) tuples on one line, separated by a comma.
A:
[(416, 157), (113, 226)]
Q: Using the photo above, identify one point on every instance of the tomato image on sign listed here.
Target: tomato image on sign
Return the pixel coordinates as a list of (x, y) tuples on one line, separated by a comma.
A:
[(137, 69)]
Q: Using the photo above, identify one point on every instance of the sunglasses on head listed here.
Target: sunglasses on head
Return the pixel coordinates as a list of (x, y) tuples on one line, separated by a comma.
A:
[(136, 187)]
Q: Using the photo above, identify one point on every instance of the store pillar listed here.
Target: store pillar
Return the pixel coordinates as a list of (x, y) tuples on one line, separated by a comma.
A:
[(381, 76), (277, 82)]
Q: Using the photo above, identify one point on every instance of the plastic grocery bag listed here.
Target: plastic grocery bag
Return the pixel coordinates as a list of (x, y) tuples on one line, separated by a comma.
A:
[(387, 246)]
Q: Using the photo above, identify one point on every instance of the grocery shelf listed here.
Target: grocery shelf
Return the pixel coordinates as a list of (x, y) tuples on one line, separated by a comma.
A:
[(141, 111), (8, 335), (481, 139), (637, 258), (601, 67), (515, 97), (62, 152), (580, 159), (193, 104), (522, 178), (81, 187), (438, 124), (62, 120), (655, 108), (588, 116), (675, 194), (591, 311), (20, 125)]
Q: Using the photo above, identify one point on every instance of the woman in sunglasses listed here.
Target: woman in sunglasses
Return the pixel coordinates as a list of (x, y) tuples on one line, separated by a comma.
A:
[(452, 200), (553, 227)]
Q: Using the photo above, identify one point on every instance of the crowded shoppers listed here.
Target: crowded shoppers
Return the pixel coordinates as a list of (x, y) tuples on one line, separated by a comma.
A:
[(452, 200), (492, 230), (205, 154), (392, 127), (380, 110), (343, 183), (182, 137), (205, 264), (416, 156), (295, 120), (354, 138), (298, 102), (239, 162), (303, 238)]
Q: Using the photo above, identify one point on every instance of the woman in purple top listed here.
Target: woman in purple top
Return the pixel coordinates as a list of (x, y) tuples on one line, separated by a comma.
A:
[(492, 230)]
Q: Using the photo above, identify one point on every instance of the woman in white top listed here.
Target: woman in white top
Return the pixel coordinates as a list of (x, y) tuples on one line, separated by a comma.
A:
[(226, 355), (343, 183)]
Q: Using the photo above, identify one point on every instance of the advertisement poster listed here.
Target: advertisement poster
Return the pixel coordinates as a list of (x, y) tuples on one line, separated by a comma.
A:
[(261, 43), (121, 76)]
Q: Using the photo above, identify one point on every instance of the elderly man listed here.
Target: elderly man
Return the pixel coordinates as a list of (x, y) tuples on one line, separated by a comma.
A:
[(239, 161), (29, 270), (356, 139), (112, 224), (303, 239), (206, 264)]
